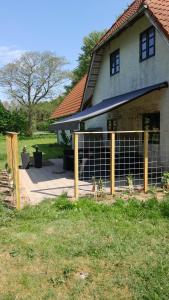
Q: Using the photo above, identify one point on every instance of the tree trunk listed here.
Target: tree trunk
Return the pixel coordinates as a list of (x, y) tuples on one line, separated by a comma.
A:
[(30, 121)]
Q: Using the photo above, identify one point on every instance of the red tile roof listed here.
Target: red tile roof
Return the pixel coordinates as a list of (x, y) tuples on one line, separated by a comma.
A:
[(72, 102), (159, 9)]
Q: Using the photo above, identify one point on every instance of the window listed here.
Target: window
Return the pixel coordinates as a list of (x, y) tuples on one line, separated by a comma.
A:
[(112, 125), (115, 62), (152, 122), (147, 44)]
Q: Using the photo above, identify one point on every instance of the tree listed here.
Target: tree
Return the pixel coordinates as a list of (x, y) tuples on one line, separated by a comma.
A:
[(33, 78), (43, 113), (14, 120), (4, 119), (84, 57)]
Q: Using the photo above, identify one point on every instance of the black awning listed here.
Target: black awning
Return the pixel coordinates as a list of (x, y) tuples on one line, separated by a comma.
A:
[(73, 122)]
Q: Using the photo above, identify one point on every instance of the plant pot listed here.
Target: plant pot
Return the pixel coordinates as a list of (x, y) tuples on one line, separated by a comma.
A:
[(37, 159)]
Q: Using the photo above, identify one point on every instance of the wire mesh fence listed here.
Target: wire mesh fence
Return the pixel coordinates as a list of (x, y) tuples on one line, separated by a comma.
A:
[(136, 158)]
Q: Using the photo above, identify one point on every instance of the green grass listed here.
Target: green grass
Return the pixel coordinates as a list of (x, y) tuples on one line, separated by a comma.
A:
[(47, 144), (123, 249)]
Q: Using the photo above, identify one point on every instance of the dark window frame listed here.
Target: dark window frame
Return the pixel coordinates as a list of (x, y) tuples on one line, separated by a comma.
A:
[(113, 60), (146, 33), (151, 121)]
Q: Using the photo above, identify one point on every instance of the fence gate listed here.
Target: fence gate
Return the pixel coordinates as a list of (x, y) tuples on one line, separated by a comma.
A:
[(13, 163)]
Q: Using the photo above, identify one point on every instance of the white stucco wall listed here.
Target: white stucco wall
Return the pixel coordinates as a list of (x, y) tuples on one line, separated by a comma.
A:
[(133, 73)]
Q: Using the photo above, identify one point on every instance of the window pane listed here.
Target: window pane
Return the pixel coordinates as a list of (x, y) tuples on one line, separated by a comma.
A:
[(144, 54), (151, 33), (151, 42), (143, 46), (113, 70), (117, 61), (143, 38), (151, 51), (117, 68)]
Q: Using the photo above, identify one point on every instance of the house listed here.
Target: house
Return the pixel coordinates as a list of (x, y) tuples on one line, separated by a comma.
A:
[(130, 70), (70, 105), (127, 83)]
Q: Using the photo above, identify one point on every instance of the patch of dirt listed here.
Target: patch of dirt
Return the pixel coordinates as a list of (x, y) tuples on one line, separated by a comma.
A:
[(139, 195)]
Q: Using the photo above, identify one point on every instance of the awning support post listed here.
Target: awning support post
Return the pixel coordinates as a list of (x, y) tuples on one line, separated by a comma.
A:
[(112, 164), (76, 166)]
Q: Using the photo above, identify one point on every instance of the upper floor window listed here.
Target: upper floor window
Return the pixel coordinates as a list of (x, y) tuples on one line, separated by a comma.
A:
[(147, 43), (115, 62)]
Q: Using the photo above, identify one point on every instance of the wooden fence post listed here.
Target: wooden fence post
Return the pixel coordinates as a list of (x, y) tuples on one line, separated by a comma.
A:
[(16, 170), (13, 162), (146, 137), (76, 165), (112, 164), (9, 151)]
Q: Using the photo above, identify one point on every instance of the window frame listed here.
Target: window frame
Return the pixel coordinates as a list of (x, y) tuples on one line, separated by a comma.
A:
[(146, 33), (113, 58)]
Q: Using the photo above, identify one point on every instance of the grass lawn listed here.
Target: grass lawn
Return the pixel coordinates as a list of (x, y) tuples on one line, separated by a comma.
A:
[(47, 144), (84, 250)]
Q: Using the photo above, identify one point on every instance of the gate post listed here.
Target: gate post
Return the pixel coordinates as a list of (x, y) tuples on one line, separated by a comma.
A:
[(112, 164), (146, 137), (76, 165)]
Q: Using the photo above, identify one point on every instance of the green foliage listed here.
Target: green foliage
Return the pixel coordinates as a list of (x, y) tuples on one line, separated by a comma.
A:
[(165, 181), (15, 120), (130, 183), (43, 111), (18, 121), (4, 119), (43, 125), (85, 250)]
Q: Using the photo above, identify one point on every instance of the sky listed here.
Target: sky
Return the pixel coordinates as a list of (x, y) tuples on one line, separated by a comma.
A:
[(55, 25)]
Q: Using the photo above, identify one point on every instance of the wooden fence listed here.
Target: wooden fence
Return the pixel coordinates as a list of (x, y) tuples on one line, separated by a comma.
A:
[(13, 164)]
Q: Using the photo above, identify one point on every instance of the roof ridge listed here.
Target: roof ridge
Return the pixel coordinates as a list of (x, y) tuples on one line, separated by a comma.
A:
[(118, 19)]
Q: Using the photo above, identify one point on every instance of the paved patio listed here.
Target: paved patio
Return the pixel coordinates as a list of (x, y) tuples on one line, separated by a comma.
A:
[(48, 182)]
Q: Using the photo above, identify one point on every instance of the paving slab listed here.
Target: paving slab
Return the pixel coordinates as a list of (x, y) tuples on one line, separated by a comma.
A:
[(48, 182)]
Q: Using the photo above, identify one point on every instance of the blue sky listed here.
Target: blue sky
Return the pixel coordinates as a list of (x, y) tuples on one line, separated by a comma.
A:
[(53, 25), (58, 26)]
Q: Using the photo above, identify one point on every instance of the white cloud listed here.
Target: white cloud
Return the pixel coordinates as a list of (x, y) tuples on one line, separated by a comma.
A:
[(9, 54)]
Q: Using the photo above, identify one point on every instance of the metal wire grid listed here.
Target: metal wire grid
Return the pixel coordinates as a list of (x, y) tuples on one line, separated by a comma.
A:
[(129, 159), (94, 159), (158, 159)]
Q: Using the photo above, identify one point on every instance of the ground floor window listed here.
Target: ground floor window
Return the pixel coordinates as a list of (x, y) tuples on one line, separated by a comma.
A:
[(112, 125), (151, 121)]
